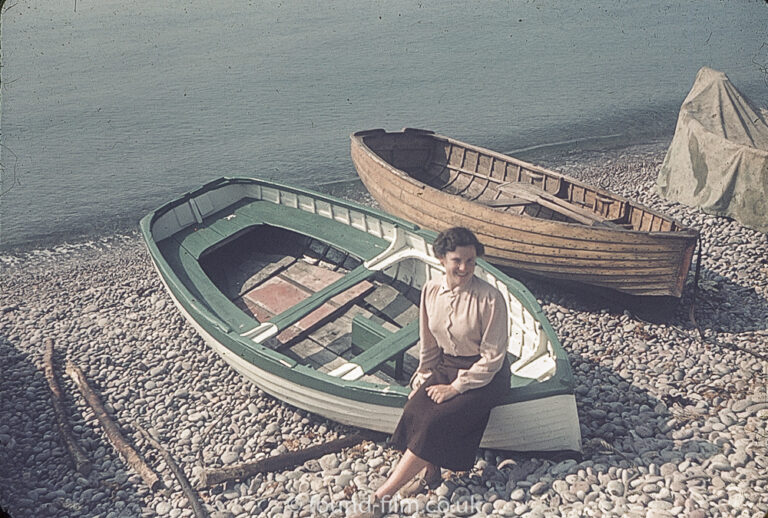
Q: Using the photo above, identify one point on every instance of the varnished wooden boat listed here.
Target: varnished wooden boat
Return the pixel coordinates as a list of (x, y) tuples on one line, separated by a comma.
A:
[(529, 218), (315, 300)]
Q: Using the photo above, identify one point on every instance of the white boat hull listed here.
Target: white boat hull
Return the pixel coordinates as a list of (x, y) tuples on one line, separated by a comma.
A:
[(546, 424)]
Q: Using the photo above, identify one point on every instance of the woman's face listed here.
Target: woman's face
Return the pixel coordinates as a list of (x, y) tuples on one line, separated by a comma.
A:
[(459, 265)]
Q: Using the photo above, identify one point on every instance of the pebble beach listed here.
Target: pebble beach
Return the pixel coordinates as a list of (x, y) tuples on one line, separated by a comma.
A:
[(673, 423)]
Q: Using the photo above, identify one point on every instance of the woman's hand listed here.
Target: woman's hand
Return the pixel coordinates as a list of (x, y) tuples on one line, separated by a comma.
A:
[(441, 393), (417, 380)]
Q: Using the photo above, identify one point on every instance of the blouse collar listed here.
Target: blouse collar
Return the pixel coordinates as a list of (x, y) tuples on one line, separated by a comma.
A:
[(461, 287)]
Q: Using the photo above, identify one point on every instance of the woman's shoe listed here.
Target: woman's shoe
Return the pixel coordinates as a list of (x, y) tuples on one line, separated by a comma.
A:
[(421, 483)]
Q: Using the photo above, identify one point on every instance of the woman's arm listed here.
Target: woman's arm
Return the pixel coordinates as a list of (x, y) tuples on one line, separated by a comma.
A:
[(493, 346), (429, 352)]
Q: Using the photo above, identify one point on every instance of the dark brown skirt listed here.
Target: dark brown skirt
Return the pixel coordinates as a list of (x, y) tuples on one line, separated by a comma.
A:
[(448, 434)]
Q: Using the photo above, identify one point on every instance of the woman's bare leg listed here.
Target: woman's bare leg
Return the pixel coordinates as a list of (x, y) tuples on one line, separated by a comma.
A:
[(408, 467)]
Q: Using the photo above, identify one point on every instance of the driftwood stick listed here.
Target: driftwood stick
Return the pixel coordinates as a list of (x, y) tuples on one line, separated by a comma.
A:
[(81, 460), (190, 493), (130, 455), (212, 476)]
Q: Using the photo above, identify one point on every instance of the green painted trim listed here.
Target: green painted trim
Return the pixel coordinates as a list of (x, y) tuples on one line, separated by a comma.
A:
[(281, 365), (225, 180), (366, 333), (396, 343), (213, 305), (344, 237)]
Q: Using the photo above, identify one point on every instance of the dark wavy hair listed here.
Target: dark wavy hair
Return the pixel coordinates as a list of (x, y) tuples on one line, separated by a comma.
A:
[(448, 240)]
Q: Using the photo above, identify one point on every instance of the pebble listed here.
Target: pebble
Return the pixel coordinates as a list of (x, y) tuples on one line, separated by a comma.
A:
[(720, 463), (229, 457), (615, 488), (539, 488), (163, 508), (672, 426), (682, 435), (329, 461), (517, 495), (271, 429)]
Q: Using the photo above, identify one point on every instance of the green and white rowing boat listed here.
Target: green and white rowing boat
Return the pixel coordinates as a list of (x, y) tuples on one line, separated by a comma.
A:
[(315, 300)]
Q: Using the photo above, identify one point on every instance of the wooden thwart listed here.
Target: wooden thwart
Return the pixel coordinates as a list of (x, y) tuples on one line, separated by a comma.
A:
[(534, 194), (507, 202), (390, 347)]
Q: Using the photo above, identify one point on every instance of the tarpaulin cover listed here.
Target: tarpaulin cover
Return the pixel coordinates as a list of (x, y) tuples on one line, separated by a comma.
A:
[(718, 158)]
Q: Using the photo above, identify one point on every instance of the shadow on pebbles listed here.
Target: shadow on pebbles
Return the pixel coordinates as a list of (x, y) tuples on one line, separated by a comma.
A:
[(672, 424)]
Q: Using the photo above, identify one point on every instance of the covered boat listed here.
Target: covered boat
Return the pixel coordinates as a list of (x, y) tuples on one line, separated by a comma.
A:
[(718, 158), (315, 300), (529, 218)]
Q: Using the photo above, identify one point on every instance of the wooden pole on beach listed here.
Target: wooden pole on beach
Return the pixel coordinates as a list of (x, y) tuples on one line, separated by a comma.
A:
[(186, 487), (81, 460), (212, 476), (130, 455)]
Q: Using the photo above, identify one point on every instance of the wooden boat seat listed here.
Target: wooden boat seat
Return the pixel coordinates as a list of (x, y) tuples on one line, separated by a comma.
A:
[(388, 348), (540, 368), (224, 224), (534, 194), (366, 334), (507, 202), (203, 291)]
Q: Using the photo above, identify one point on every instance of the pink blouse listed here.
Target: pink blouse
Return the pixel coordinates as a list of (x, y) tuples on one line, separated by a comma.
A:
[(466, 321)]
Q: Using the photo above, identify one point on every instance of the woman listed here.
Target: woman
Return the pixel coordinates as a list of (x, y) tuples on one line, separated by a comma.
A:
[(462, 371)]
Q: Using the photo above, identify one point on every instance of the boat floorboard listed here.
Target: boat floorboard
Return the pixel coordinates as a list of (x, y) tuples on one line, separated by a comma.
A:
[(264, 285)]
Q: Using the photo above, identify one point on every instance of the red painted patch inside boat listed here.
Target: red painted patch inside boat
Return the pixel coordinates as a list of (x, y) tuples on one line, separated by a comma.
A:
[(276, 295)]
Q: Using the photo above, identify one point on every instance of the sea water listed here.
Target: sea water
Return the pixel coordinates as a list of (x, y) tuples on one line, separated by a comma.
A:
[(110, 108)]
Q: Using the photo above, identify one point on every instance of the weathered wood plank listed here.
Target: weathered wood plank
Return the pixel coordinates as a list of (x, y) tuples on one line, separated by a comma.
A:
[(276, 295), (335, 335), (269, 270), (312, 278), (393, 304), (309, 352), (506, 202), (537, 195)]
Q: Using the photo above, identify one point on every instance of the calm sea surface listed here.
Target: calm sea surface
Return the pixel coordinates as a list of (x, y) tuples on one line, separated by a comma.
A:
[(110, 108)]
